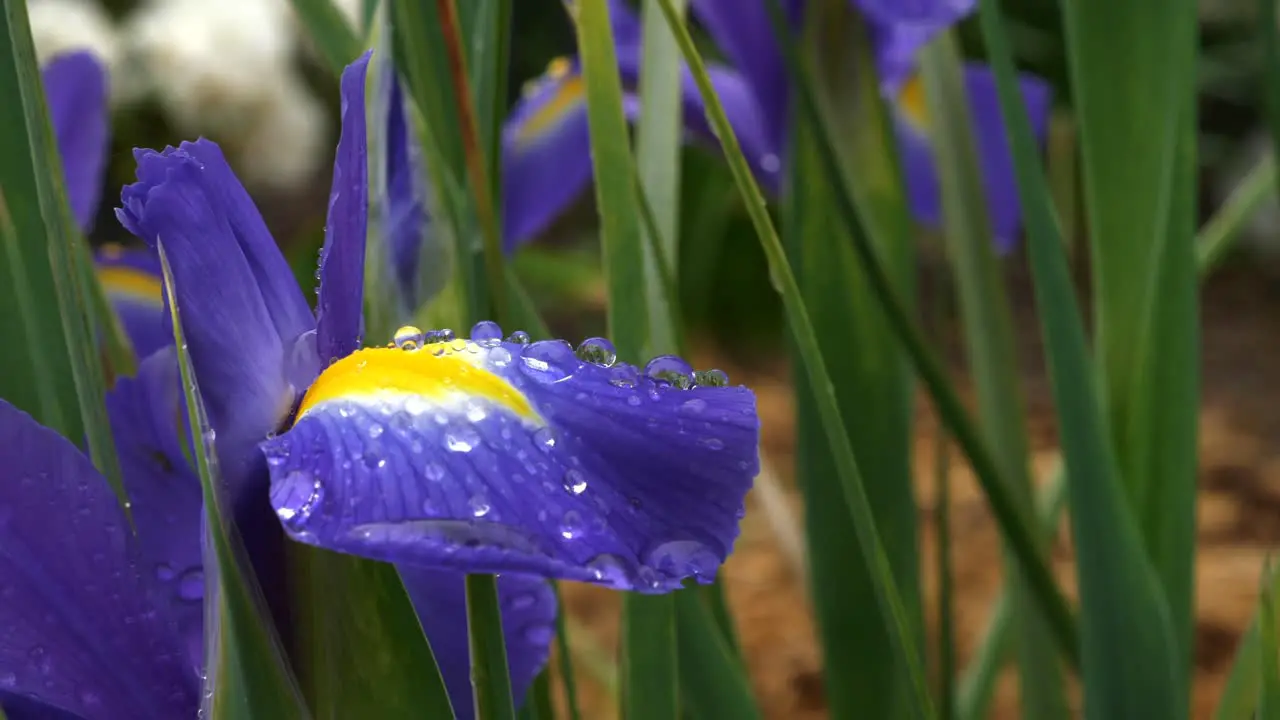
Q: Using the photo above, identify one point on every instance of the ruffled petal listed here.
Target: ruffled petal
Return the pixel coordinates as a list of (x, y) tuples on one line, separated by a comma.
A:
[(915, 12), (147, 413), (82, 632), (232, 332), (994, 154), (75, 85), (743, 31), (528, 625), (490, 456), (340, 306), (546, 153), (132, 280)]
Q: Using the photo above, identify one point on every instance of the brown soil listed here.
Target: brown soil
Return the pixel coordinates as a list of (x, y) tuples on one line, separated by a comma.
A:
[(1239, 518)]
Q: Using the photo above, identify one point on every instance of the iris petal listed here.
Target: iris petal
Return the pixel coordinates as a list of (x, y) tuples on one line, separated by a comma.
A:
[(996, 162), (528, 624), (82, 632), (340, 304), (546, 153), (76, 87), (238, 354), (490, 456), (131, 279), (146, 415), (404, 211), (916, 12)]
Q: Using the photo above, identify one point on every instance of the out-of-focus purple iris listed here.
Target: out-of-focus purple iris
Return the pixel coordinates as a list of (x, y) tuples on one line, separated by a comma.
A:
[(754, 91)]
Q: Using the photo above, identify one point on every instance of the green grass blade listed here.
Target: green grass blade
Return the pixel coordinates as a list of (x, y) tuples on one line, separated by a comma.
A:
[(903, 640), (1269, 39), (1222, 229), (1132, 66), (1268, 648), (874, 387), (360, 646), (946, 584), (539, 705), (32, 383), (989, 341), (490, 680), (52, 249), (1131, 656), (650, 685), (253, 678), (1244, 683), (977, 686), (659, 136), (565, 657), (333, 35), (712, 684), (1013, 524), (486, 27)]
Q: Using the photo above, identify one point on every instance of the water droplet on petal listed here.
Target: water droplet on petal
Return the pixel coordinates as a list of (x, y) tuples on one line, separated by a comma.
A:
[(633, 400), (296, 497), (486, 331), (519, 337), (575, 482), (164, 573), (523, 601), (711, 443), (408, 337), (683, 557), (623, 376), (500, 356), (479, 505), (433, 472), (597, 351), (710, 378), (8, 680), (571, 525), (609, 569), (694, 406), (191, 585), (550, 361), (375, 430), (670, 369), (461, 439), (545, 438)]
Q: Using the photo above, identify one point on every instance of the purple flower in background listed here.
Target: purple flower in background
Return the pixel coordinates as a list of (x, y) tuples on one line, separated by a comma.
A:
[(755, 93)]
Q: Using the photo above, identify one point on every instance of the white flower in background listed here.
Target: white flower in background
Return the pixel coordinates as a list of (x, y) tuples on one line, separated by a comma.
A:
[(60, 26), (227, 68)]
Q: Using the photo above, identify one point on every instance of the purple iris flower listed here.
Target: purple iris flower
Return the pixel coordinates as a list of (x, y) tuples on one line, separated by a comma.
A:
[(441, 455), (754, 90)]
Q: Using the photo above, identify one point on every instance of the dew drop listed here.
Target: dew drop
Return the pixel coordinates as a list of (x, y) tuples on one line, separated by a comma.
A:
[(575, 482), (711, 443), (296, 497), (8, 680), (486, 331), (545, 438), (609, 569), (479, 506), (681, 558), (519, 337), (523, 601), (710, 378), (164, 573), (770, 163), (375, 430), (597, 351), (191, 585), (500, 356), (571, 525), (433, 472), (476, 413), (670, 369), (408, 337), (462, 439), (694, 406), (550, 361), (633, 400)]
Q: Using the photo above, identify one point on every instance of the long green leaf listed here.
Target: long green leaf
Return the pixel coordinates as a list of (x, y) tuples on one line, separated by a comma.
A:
[(252, 678), (874, 386), (990, 344), (650, 686), (52, 255), (1133, 77), (490, 679), (332, 34), (1218, 234), (659, 135), (1131, 658), (712, 683), (1240, 695), (565, 657), (360, 644), (903, 641), (1015, 526), (1268, 649)]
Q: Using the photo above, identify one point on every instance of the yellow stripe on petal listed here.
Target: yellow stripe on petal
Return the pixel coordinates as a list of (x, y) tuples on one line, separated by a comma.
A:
[(568, 94), (911, 103), (438, 373), (121, 281)]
